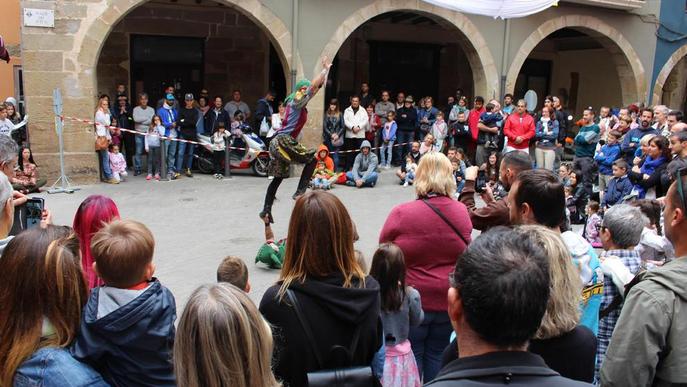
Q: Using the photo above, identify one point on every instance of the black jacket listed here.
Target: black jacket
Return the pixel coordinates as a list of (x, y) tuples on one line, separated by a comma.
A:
[(262, 110), (188, 119), (406, 119), (563, 125), (132, 345), (212, 119), (334, 312), (511, 369)]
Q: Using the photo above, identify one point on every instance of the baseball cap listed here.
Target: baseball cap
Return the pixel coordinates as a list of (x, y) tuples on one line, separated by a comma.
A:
[(170, 96), (409, 99), (188, 97)]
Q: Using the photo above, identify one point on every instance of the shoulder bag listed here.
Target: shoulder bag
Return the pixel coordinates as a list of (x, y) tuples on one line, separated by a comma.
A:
[(443, 217), (361, 376)]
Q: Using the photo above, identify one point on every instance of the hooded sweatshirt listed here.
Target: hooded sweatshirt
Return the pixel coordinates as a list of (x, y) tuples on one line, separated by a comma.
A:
[(328, 162), (128, 335), (648, 346), (364, 165), (334, 313)]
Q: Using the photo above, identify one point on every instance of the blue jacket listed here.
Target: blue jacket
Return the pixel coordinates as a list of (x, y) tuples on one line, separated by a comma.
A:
[(130, 345), (547, 140), (617, 189), (605, 158), (633, 137), (168, 117), (586, 139), (431, 116), (392, 132), (55, 367)]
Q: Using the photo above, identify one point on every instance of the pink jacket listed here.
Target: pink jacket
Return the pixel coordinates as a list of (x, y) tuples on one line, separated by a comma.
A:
[(430, 246), (117, 162)]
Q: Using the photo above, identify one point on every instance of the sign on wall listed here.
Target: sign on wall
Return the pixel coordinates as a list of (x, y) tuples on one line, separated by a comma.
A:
[(39, 17)]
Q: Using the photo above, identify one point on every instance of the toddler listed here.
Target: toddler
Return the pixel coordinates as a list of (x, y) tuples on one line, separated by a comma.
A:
[(593, 225), (117, 163), (490, 119), (234, 271), (152, 146), (127, 327), (410, 170)]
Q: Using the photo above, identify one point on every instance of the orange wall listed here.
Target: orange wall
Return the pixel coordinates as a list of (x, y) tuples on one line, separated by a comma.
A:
[(10, 30)]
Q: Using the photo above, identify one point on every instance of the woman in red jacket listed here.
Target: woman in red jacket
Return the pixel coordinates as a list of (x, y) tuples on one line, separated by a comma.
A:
[(433, 231)]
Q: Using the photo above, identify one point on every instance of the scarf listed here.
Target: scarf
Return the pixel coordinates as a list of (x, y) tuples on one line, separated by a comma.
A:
[(649, 166)]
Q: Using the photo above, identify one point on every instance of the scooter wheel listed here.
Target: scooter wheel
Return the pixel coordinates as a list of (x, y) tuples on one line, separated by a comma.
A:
[(260, 165)]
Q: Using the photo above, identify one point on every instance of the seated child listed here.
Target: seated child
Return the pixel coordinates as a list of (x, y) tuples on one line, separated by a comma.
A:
[(234, 271), (117, 163), (593, 226), (459, 175), (324, 176), (410, 170), (619, 186), (127, 327), (271, 253)]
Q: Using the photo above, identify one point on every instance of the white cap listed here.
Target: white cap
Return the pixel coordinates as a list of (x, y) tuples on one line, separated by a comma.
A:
[(11, 100)]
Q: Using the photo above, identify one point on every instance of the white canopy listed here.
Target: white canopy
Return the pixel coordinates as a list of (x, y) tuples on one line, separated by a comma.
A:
[(505, 9)]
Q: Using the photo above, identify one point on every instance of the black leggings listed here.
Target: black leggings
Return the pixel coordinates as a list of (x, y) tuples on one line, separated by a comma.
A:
[(271, 193)]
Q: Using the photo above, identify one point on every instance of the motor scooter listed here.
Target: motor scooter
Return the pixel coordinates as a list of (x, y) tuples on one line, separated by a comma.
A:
[(253, 155)]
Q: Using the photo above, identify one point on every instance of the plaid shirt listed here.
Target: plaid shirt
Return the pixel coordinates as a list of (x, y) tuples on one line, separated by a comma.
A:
[(632, 261)]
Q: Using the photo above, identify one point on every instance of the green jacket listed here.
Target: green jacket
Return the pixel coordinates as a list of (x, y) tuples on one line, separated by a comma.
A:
[(649, 343)]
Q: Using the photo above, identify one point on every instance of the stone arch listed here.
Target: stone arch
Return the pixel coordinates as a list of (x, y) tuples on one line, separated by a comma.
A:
[(485, 73), (629, 66), (88, 49), (665, 72)]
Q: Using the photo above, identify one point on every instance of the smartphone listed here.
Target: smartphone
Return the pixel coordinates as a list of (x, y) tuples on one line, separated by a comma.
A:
[(34, 212)]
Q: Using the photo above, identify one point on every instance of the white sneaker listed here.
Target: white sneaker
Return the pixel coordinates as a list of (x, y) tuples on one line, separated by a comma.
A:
[(405, 184)]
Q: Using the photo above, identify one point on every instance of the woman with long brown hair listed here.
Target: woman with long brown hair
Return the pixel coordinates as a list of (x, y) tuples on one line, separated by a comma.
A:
[(42, 293), (321, 274), (103, 138)]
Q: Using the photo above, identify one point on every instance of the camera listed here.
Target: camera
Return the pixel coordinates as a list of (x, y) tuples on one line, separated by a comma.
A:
[(481, 182)]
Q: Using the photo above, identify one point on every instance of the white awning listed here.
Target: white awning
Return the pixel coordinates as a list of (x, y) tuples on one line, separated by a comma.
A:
[(504, 9)]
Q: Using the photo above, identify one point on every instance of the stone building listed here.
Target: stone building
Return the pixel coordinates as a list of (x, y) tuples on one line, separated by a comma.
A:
[(589, 52)]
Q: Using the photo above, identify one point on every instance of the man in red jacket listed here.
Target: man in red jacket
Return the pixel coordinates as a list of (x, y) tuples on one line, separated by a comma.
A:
[(519, 129), (473, 121)]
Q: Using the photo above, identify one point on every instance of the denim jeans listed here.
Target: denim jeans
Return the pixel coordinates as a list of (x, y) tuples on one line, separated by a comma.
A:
[(184, 155), (332, 152), (104, 158), (429, 341), (403, 138), (369, 181), (171, 156), (386, 152), (140, 145)]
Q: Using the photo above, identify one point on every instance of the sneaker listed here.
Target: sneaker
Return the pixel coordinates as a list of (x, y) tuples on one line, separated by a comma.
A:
[(172, 176), (157, 176), (112, 181), (136, 173), (188, 172), (220, 176), (350, 183), (149, 177), (176, 175), (405, 184)]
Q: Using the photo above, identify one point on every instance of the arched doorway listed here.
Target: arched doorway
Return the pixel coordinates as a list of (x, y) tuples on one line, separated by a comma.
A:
[(581, 59), (670, 88)]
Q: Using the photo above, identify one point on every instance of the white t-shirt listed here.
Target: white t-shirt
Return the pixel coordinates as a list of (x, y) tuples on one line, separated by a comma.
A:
[(6, 127)]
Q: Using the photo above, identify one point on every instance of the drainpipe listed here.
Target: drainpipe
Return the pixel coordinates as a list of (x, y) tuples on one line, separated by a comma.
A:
[(504, 58), (294, 43)]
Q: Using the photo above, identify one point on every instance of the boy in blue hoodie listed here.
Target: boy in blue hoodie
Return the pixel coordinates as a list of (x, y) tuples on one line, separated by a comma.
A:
[(618, 187), (605, 157), (127, 327)]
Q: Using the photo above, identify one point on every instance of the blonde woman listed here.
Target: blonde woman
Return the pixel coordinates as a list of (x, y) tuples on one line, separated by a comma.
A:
[(321, 273), (103, 138), (223, 340), (432, 231)]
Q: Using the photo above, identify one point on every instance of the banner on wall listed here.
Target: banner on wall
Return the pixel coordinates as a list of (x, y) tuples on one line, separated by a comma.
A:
[(504, 9)]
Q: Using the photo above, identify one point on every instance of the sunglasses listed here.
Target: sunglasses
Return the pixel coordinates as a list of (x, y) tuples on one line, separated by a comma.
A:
[(682, 172)]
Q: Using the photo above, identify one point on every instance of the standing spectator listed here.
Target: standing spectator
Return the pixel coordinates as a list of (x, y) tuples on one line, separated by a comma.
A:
[(383, 107), (222, 337), (426, 116), (585, 145), (432, 232), (473, 121), (621, 229), (165, 98), (142, 116), (356, 123), (235, 105), (364, 171), (26, 178), (188, 118), (152, 147), (606, 122), (333, 134), (563, 128), (406, 119), (494, 327), (42, 290), (440, 131), (488, 131), (605, 157), (678, 147), (519, 129), (20, 134), (92, 215), (647, 347), (450, 103), (634, 136), (508, 104), (125, 120), (388, 139), (366, 99), (400, 100), (216, 115), (547, 135), (674, 116), (661, 120), (203, 105), (323, 283), (103, 137), (619, 186), (374, 123), (458, 124), (169, 115), (651, 177), (219, 148), (263, 114)]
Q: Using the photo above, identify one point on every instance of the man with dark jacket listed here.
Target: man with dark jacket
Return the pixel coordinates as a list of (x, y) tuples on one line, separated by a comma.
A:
[(632, 138), (264, 111), (406, 120), (500, 269), (415, 154), (188, 117), (563, 127), (216, 115), (122, 113)]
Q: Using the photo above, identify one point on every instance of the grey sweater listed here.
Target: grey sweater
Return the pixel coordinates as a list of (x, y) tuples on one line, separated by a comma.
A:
[(396, 324), (142, 118)]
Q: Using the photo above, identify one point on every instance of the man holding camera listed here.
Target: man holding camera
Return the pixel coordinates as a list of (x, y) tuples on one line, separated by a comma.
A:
[(494, 212)]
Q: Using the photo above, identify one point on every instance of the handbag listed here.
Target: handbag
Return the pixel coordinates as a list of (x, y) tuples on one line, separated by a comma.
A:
[(101, 143), (360, 376), (264, 127), (339, 142), (443, 217)]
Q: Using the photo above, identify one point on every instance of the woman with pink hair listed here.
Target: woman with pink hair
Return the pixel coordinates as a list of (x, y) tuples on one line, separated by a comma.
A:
[(93, 213)]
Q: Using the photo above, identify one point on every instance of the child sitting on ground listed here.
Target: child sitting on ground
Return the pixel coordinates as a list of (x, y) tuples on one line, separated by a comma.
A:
[(234, 271), (593, 226), (459, 175), (127, 327), (401, 309), (117, 163), (324, 176), (410, 170), (619, 187)]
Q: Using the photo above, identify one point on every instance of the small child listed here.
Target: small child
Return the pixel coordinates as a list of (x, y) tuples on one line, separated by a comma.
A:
[(117, 163), (401, 309), (490, 119), (388, 139), (428, 144), (605, 157), (410, 170), (461, 156), (234, 271), (618, 187), (439, 131), (218, 148), (578, 200), (654, 248), (152, 146), (324, 176), (593, 226), (127, 327), (459, 174)]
